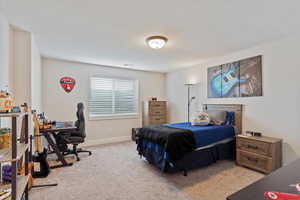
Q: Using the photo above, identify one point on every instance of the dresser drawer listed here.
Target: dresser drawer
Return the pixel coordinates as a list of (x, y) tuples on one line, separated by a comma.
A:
[(254, 161), (157, 120), (157, 104), (254, 146), (155, 112)]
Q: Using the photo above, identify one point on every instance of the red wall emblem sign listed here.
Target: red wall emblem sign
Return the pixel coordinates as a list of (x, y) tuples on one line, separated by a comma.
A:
[(67, 83)]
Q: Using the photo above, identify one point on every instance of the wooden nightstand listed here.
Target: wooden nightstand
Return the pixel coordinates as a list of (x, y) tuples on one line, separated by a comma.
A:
[(259, 153)]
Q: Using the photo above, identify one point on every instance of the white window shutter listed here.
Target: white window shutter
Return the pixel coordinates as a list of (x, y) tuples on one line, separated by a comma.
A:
[(110, 96)]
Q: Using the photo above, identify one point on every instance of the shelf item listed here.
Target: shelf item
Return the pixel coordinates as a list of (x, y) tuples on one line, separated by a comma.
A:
[(6, 154), (21, 185), (259, 153), (5, 140), (14, 153), (5, 194)]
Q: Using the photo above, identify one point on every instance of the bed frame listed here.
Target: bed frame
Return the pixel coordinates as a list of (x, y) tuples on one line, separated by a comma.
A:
[(206, 156), (218, 112)]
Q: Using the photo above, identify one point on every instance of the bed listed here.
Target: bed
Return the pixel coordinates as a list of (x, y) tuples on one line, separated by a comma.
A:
[(182, 147)]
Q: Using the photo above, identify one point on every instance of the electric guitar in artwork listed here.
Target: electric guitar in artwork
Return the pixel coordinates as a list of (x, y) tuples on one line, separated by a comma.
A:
[(224, 82), (283, 196)]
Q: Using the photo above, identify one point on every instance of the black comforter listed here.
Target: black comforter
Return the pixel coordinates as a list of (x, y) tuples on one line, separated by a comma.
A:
[(176, 142)]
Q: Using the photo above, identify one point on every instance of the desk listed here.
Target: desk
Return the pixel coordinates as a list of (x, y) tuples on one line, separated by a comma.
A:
[(278, 181), (54, 130)]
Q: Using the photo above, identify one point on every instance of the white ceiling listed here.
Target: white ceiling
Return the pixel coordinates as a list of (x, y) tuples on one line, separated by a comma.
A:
[(113, 32)]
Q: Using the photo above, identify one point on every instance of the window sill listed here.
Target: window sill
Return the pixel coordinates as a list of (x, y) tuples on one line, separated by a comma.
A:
[(113, 117)]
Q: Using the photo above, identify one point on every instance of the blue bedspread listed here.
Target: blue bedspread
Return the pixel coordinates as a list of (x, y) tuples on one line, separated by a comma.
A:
[(206, 135)]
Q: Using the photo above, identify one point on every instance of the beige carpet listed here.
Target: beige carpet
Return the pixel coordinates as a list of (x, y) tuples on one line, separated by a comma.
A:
[(115, 172)]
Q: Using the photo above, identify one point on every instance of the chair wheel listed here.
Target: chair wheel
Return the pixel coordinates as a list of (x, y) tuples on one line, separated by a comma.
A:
[(90, 153)]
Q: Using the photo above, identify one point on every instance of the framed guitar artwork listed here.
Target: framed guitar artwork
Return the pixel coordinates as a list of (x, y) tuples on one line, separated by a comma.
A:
[(237, 79)]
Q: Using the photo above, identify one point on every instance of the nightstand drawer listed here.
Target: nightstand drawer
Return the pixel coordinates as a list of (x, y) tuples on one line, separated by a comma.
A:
[(254, 161), (254, 146)]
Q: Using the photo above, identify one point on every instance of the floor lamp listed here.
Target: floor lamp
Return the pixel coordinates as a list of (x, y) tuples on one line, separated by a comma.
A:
[(190, 99)]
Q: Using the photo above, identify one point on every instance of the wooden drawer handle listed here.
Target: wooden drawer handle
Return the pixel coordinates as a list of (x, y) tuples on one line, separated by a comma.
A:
[(252, 147), (252, 159)]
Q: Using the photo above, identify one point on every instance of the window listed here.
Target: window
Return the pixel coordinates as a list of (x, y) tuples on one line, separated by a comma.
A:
[(112, 97)]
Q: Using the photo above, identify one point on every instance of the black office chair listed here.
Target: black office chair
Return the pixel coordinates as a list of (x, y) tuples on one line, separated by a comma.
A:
[(76, 137)]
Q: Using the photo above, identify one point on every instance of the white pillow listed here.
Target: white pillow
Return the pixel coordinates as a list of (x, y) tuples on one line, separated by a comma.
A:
[(200, 119)]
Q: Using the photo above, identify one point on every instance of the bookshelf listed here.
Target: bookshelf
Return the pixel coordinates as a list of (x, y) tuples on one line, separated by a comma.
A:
[(18, 150)]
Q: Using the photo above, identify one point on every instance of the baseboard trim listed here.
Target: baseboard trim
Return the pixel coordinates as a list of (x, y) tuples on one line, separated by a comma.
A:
[(90, 143)]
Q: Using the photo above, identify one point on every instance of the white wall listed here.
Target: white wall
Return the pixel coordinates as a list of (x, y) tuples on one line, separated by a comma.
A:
[(61, 106), (276, 114), (4, 52), (4, 58), (36, 77), (25, 68), (20, 65)]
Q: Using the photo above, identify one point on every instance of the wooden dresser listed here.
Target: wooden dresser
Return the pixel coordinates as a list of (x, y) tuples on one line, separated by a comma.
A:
[(263, 154), (154, 113)]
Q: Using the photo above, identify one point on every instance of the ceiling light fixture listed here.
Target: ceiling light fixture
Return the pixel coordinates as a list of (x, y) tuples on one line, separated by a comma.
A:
[(157, 42)]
